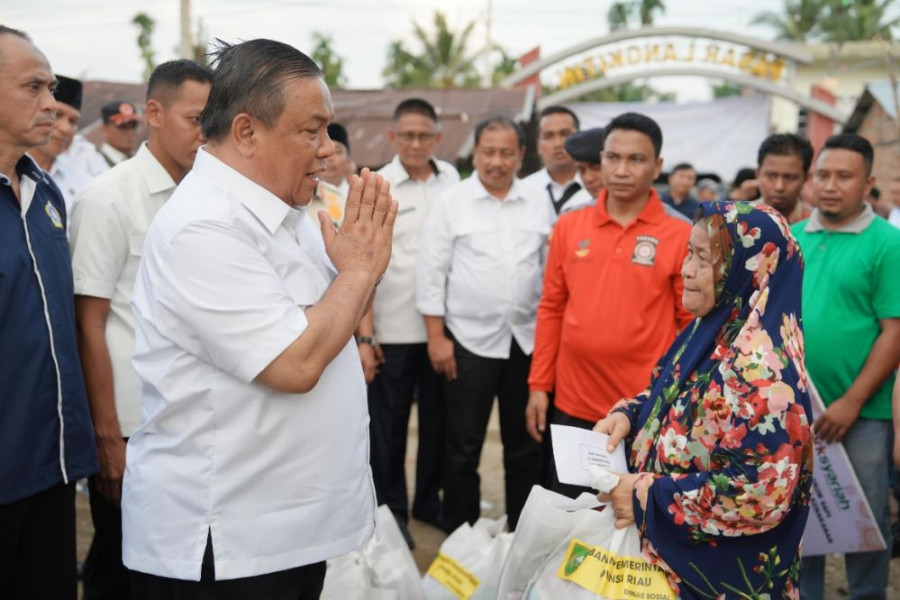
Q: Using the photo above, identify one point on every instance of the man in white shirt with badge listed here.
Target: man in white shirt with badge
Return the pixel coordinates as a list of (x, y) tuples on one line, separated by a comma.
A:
[(109, 221), (558, 180), (479, 283), (394, 344), (250, 466)]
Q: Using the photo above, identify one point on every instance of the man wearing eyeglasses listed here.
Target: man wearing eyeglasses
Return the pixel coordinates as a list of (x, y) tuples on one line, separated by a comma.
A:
[(397, 365), (120, 124)]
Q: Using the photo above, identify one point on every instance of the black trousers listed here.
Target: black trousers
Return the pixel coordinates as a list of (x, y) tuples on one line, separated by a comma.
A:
[(469, 401), (301, 583), (37, 546), (105, 577), (406, 376), (572, 491)]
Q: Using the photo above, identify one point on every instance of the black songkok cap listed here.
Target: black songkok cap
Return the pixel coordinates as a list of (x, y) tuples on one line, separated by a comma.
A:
[(337, 133), (68, 91), (585, 146)]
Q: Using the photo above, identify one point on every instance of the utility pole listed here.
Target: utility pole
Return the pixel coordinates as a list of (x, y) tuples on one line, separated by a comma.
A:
[(488, 47), (187, 46)]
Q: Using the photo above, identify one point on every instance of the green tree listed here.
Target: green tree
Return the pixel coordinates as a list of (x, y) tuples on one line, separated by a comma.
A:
[(146, 25), (831, 20), (621, 14), (797, 22), (331, 64), (725, 89), (505, 67), (442, 61), (851, 20)]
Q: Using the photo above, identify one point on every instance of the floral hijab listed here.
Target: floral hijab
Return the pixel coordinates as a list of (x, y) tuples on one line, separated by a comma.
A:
[(721, 437)]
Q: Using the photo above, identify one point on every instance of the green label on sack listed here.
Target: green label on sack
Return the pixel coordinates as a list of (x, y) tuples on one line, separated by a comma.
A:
[(453, 576), (612, 576)]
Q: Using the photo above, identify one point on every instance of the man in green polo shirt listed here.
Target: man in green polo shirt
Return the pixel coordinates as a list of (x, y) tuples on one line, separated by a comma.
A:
[(851, 317)]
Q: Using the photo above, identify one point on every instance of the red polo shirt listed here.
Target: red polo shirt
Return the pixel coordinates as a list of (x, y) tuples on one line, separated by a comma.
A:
[(611, 306)]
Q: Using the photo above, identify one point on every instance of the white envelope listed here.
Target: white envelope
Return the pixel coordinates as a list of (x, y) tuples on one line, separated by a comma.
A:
[(575, 449)]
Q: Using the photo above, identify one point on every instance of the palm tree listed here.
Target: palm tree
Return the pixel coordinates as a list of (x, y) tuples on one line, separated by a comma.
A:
[(798, 21), (830, 20), (443, 60), (618, 16), (146, 25), (331, 64), (505, 67), (646, 8), (620, 13), (858, 20)]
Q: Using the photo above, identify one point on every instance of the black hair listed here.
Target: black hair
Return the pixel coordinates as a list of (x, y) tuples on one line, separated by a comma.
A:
[(169, 76), (854, 143), (500, 122), (786, 144), (681, 167), (556, 109), (415, 106), (250, 77), (632, 121), (875, 193), (4, 30), (743, 175)]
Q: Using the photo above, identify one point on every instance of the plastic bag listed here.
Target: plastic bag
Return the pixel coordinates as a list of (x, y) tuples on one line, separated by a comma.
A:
[(565, 550), (546, 521), (469, 563), (382, 569)]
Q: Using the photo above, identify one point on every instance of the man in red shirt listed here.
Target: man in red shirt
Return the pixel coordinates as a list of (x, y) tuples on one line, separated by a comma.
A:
[(611, 303)]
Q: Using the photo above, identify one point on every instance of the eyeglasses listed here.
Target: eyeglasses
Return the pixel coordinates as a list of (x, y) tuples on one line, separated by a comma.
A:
[(424, 137), (128, 125)]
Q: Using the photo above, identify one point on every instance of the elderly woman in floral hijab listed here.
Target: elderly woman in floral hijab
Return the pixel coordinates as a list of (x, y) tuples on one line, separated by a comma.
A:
[(720, 443)]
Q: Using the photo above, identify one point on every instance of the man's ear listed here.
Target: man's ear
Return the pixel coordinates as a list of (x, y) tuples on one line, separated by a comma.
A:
[(154, 112), (658, 170), (244, 134)]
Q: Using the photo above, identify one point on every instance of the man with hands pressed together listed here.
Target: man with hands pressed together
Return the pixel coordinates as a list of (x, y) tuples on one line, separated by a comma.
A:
[(250, 466)]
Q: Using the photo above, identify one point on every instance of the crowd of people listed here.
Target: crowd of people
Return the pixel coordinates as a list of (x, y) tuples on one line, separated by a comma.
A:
[(224, 328)]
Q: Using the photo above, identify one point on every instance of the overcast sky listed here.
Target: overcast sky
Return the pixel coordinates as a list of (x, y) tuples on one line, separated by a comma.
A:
[(94, 39)]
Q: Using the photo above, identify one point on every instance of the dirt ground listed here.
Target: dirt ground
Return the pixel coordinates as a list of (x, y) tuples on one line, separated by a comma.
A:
[(428, 539)]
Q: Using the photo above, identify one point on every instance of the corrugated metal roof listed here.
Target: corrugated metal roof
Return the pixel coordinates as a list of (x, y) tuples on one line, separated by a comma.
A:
[(877, 91), (883, 94), (367, 114)]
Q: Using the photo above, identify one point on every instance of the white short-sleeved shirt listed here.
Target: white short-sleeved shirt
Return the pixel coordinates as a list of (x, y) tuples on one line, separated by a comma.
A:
[(109, 220), (481, 265), (541, 179), (396, 319), (280, 480)]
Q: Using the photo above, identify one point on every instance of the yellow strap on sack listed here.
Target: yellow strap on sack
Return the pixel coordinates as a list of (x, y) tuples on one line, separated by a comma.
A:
[(612, 576), (453, 576)]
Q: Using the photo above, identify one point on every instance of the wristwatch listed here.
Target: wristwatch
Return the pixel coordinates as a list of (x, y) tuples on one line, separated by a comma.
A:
[(365, 339)]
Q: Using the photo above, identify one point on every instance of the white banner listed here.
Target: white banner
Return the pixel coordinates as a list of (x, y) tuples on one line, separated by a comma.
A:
[(840, 519), (718, 137)]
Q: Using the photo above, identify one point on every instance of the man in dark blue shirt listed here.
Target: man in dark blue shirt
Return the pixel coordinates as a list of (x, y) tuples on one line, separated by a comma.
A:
[(46, 440), (678, 196)]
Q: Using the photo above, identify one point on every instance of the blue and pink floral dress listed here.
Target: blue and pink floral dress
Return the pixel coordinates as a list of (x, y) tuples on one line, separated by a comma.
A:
[(721, 439)]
